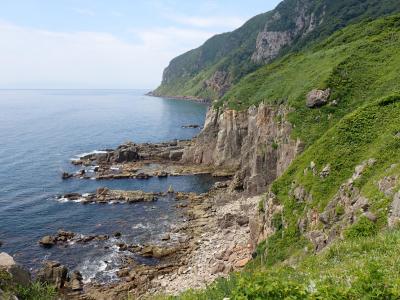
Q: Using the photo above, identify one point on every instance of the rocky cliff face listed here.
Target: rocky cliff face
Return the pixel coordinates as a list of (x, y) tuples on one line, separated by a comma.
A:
[(255, 145), (270, 42)]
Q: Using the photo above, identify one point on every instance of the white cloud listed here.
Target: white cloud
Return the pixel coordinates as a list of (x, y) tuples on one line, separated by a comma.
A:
[(33, 58)]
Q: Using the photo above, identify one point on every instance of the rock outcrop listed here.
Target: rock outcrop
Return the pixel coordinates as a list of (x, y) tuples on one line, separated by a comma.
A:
[(18, 274), (318, 98), (273, 39), (220, 82), (254, 144), (53, 273)]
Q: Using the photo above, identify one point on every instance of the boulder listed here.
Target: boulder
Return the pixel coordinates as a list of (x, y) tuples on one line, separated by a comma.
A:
[(126, 155), (18, 274), (47, 241), (176, 155), (53, 273), (157, 252), (170, 190), (66, 175), (370, 216), (165, 237), (218, 268), (241, 263), (318, 98), (325, 171), (227, 221), (221, 185), (76, 283), (242, 220), (394, 215)]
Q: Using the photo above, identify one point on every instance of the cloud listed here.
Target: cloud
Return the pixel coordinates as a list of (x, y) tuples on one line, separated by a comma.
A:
[(33, 58)]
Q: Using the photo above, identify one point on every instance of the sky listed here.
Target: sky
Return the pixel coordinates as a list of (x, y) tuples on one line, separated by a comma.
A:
[(107, 44)]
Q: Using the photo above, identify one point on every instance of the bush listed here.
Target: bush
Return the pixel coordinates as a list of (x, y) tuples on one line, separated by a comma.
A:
[(363, 228)]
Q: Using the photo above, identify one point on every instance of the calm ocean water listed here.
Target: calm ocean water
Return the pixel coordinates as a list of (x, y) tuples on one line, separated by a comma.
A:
[(40, 130)]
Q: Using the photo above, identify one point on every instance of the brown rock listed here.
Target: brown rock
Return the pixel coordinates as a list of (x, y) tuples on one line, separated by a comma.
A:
[(242, 220), (218, 268), (242, 263), (47, 241), (53, 273), (318, 98)]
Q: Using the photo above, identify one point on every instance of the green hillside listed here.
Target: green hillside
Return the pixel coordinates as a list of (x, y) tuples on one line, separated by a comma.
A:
[(360, 63), (358, 142), (365, 264), (231, 53)]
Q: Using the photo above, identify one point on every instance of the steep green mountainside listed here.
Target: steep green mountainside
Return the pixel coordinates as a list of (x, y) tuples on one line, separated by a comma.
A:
[(335, 211), (359, 64), (210, 70), (358, 260)]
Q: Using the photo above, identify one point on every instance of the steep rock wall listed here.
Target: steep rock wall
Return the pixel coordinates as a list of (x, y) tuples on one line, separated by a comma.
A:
[(255, 145)]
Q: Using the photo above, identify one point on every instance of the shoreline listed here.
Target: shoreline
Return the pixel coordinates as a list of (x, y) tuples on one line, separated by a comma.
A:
[(212, 240), (212, 243), (183, 98)]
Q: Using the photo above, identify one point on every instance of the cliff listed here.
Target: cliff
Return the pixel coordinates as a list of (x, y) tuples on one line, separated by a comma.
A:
[(254, 144)]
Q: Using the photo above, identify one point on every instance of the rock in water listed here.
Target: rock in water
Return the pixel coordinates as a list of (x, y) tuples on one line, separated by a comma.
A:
[(170, 190), (318, 98), (47, 241), (66, 175)]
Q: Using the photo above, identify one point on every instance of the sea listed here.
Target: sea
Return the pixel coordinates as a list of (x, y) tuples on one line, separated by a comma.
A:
[(42, 130)]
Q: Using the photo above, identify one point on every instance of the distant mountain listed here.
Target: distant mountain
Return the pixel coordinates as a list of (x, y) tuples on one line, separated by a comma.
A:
[(210, 70)]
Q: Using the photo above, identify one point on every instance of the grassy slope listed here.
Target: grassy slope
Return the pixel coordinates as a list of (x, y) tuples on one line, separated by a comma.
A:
[(364, 265), (359, 63), (362, 65)]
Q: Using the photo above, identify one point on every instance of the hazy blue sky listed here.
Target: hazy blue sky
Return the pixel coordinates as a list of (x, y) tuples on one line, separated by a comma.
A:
[(107, 44)]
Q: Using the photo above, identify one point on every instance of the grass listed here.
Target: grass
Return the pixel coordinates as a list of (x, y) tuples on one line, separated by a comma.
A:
[(35, 291)]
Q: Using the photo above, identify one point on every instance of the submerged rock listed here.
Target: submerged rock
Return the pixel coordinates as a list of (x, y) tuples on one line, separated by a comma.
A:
[(66, 175)]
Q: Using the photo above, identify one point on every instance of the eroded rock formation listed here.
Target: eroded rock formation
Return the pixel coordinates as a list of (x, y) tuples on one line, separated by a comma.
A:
[(254, 144)]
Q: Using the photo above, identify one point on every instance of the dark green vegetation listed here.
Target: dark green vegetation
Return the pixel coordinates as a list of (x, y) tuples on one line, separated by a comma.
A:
[(35, 291), (361, 64), (187, 74)]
